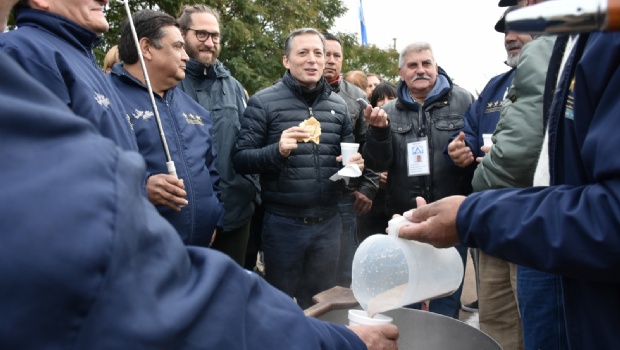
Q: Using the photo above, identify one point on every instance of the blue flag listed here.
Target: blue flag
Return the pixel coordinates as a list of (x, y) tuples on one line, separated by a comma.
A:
[(363, 25)]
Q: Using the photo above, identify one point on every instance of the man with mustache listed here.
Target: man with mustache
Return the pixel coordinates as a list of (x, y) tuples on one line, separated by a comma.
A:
[(54, 42), (88, 263), (209, 83), (570, 226), (186, 125), (497, 279), (428, 111)]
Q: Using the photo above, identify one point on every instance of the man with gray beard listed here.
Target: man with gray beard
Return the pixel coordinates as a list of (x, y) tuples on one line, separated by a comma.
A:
[(496, 279), (510, 163)]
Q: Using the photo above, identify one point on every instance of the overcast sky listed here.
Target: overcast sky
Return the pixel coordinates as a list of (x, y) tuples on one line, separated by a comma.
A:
[(461, 33)]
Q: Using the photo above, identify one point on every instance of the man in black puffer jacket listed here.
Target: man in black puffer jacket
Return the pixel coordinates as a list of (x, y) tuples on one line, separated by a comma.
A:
[(301, 229)]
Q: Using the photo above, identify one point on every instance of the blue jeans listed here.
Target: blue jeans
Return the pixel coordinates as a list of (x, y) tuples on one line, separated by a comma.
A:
[(300, 259), (450, 305), (541, 308), (348, 240)]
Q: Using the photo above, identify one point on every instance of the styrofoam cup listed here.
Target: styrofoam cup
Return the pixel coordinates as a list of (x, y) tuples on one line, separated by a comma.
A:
[(358, 317), (487, 139), (347, 150)]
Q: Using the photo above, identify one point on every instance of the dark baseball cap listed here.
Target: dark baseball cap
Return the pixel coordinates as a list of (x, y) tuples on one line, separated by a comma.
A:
[(500, 26), (506, 3)]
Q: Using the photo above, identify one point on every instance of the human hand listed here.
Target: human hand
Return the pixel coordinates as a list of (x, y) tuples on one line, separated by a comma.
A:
[(435, 223), (164, 189), (458, 151), (376, 117), (485, 149), (362, 203), (383, 179), (378, 337), (355, 159), (289, 139)]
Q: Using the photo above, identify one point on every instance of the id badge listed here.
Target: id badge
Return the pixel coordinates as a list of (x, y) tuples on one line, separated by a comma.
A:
[(417, 157)]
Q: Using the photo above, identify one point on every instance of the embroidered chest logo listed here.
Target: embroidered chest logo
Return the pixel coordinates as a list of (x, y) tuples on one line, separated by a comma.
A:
[(102, 100), (193, 119), (495, 106), (145, 115)]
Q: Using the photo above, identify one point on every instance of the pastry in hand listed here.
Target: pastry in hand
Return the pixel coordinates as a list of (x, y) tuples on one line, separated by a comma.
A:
[(313, 127)]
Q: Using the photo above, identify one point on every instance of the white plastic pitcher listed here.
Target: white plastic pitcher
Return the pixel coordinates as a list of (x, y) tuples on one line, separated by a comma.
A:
[(391, 272)]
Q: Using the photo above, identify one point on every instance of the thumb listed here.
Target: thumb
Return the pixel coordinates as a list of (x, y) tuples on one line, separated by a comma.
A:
[(418, 214), (421, 213), (461, 136)]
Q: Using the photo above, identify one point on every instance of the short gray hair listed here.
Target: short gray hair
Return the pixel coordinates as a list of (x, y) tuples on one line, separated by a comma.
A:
[(414, 47), (289, 39)]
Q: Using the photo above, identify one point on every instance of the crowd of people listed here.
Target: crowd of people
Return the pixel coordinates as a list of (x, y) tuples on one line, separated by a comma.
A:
[(141, 195)]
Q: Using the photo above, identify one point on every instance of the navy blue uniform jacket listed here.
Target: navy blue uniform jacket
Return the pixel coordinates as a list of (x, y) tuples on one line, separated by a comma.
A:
[(573, 227), (187, 128), (86, 262), (482, 116), (59, 53)]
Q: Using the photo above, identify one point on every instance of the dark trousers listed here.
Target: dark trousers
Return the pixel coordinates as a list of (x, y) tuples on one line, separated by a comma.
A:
[(300, 258), (255, 240), (348, 240), (234, 243)]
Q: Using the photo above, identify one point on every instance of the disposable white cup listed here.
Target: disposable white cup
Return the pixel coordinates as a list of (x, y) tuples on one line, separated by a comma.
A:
[(359, 317), (487, 139), (347, 150)]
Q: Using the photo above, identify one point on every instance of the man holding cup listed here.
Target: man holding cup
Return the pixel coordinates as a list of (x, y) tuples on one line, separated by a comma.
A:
[(300, 242)]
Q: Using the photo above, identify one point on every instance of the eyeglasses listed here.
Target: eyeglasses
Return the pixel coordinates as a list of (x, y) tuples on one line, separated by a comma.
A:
[(203, 35)]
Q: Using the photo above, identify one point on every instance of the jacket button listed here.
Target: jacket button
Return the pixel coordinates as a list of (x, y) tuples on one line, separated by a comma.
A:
[(451, 126), (400, 129)]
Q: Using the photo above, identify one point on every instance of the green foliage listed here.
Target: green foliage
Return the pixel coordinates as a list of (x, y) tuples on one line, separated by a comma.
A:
[(369, 59), (253, 32)]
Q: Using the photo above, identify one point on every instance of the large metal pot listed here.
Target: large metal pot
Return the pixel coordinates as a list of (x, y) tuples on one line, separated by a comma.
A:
[(428, 331)]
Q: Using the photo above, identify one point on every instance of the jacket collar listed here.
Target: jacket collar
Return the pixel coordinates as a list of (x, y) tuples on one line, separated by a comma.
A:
[(441, 91), (122, 74), (79, 37), (292, 84), (199, 70)]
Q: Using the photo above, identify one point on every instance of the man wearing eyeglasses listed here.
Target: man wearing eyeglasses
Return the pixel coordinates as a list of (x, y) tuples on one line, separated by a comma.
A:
[(210, 84), (186, 124)]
